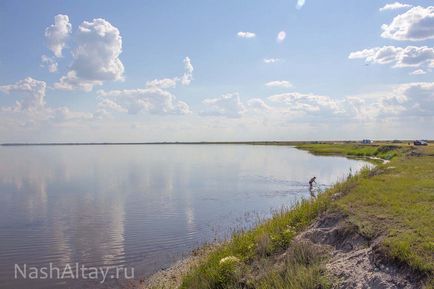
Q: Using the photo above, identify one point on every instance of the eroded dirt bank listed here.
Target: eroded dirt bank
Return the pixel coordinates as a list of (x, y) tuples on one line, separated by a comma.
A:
[(354, 260)]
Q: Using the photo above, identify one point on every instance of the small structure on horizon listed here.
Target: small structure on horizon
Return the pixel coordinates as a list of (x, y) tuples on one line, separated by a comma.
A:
[(367, 141)]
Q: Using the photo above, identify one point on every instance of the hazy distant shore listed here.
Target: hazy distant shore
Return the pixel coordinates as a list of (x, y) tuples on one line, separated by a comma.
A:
[(193, 143)]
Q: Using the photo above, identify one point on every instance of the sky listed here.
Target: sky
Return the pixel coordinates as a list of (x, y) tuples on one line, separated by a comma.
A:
[(159, 70)]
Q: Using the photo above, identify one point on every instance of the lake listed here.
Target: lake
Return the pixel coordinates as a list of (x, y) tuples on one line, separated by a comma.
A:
[(140, 206)]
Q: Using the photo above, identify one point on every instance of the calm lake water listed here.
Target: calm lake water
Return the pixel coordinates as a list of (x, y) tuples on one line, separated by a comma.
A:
[(142, 207)]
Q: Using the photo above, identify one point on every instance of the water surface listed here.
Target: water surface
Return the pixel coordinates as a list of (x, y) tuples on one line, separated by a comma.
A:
[(140, 206)]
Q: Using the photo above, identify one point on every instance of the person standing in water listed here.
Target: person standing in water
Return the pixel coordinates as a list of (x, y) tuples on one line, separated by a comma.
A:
[(312, 180)]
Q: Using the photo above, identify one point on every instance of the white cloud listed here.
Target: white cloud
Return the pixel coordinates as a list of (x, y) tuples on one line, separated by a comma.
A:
[(418, 72), (185, 79), (279, 106), (281, 36), (49, 63), (57, 34), (417, 97), (300, 4), (95, 57), (110, 105), (31, 108), (279, 83), (188, 72), (395, 6), (371, 107), (31, 92), (415, 24), (257, 104), (227, 105), (410, 56), (411, 100), (247, 35), (152, 99), (65, 114), (306, 103), (71, 82), (272, 60), (162, 83)]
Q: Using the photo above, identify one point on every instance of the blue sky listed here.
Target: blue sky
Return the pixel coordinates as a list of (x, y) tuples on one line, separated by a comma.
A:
[(345, 70)]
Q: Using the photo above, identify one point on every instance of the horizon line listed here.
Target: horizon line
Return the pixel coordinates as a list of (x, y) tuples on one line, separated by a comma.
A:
[(179, 142)]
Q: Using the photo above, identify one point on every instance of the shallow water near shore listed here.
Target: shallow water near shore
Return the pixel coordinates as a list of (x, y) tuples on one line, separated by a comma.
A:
[(140, 207)]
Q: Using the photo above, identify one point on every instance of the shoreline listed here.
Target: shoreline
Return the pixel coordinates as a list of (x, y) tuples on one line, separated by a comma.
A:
[(171, 277), (386, 271)]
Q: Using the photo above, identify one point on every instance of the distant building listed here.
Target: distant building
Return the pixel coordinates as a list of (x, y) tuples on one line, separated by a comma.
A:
[(367, 141)]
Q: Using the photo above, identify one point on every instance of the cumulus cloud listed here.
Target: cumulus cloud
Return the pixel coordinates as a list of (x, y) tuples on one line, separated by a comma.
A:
[(162, 83), (49, 63), (247, 35), (283, 105), (306, 103), (64, 113), (400, 101), (272, 60), (57, 34), (185, 79), (395, 6), (109, 105), (281, 36), (31, 107), (153, 100), (300, 4), (31, 92), (95, 56), (418, 98), (188, 72), (410, 56), (370, 108), (227, 105), (415, 24), (257, 104), (410, 99), (279, 83)]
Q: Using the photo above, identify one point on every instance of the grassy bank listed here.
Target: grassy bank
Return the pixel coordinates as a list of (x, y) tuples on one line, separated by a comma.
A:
[(394, 201), (247, 255), (385, 151)]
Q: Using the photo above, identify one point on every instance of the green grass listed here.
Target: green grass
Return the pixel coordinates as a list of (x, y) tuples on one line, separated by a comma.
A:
[(269, 239), (398, 203), (303, 268), (386, 152), (394, 201)]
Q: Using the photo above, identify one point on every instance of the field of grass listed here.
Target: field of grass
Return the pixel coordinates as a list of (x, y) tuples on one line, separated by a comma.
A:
[(394, 201), (386, 151), (398, 203)]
